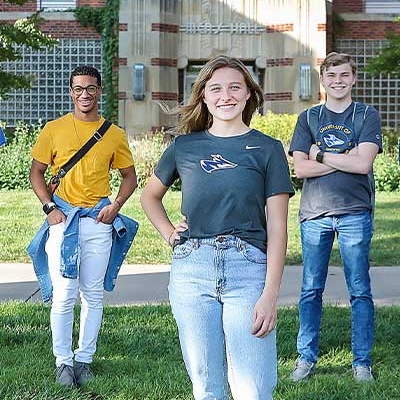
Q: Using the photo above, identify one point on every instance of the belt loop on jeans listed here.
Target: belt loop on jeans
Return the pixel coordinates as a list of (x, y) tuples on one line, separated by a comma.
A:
[(238, 244), (196, 243)]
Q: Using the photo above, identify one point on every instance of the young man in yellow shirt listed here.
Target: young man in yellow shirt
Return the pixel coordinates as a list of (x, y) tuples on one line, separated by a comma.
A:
[(78, 237)]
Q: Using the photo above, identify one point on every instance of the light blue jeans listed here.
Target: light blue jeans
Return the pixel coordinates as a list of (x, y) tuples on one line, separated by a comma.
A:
[(354, 233), (214, 285)]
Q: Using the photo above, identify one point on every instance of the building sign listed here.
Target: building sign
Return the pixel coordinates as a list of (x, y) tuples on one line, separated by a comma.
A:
[(206, 28)]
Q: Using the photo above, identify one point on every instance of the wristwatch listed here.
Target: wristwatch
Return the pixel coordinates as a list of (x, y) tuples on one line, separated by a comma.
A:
[(49, 207), (320, 157)]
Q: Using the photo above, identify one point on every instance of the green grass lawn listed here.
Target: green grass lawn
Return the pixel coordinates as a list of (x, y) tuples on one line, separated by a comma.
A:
[(138, 357), (21, 216)]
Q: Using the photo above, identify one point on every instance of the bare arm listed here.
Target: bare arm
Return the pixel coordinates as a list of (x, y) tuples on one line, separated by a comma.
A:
[(39, 186), (304, 167), (126, 188), (151, 201), (38, 182), (358, 161), (265, 310)]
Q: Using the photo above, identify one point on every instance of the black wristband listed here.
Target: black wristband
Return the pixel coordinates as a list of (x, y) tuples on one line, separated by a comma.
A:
[(320, 157), (49, 207)]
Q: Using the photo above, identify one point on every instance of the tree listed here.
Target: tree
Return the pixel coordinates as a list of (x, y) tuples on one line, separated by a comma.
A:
[(388, 61), (24, 32)]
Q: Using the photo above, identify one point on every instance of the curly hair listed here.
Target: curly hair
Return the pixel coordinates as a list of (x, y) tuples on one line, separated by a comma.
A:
[(85, 70)]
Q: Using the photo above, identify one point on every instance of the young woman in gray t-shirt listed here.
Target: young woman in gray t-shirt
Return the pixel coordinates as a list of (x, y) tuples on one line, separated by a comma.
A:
[(222, 290)]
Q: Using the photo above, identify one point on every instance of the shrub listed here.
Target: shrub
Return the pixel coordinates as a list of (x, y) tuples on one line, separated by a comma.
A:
[(15, 160), (146, 152), (390, 138), (387, 173), (279, 126), (386, 165)]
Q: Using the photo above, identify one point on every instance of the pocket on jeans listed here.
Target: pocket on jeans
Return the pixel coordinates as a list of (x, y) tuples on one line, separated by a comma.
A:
[(254, 254), (56, 230), (182, 250), (105, 227), (55, 237), (57, 226)]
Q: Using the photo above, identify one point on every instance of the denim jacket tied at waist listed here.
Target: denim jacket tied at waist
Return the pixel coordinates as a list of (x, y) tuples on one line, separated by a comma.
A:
[(124, 231)]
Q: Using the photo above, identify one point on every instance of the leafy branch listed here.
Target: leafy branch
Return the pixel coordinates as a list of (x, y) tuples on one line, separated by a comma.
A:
[(24, 32), (388, 61)]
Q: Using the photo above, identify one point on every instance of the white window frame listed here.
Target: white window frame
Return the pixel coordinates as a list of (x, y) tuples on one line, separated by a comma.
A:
[(382, 6), (56, 5)]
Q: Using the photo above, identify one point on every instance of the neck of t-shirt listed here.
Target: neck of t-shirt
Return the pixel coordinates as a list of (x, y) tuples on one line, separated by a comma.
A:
[(228, 129), (338, 105)]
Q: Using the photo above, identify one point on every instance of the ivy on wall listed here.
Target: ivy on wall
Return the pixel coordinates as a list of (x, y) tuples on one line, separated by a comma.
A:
[(90, 16), (110, 36), (105, 20)]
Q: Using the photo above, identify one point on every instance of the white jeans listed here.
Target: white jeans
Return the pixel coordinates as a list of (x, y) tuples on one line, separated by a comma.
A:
[(95, 240)]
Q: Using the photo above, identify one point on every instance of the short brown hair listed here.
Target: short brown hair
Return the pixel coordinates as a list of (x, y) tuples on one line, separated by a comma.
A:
[(333, 59)]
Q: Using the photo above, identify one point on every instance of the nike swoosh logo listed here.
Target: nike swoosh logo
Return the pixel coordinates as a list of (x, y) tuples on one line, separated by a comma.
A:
[(252, 147)]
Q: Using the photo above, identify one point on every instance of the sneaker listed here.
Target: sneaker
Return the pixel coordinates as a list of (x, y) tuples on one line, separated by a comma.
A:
[(83, 373), (65, 375), (363, 373), (302, 370)]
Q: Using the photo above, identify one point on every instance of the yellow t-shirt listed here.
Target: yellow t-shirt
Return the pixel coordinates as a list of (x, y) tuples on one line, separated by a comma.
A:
[(88, 180)]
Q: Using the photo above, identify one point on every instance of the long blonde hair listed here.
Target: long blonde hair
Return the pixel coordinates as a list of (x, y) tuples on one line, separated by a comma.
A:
[(195, 115)]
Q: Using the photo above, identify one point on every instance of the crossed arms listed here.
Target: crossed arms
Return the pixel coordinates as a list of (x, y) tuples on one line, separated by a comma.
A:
[(358, 161)]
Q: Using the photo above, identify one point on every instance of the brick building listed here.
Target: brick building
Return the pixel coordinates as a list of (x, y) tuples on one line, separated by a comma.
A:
[(361, 32), (49, 97), (163, 43)]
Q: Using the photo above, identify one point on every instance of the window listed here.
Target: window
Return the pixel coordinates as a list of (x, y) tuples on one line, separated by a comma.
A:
[(49, 97), (383, 91), (382, 6), (50, 5)]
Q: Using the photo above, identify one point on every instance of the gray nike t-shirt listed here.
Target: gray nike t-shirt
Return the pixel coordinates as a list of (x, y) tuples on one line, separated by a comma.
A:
[(225, 182)]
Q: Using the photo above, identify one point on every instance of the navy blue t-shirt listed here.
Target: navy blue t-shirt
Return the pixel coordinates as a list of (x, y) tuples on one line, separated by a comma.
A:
[(225, 182), (340, 192)]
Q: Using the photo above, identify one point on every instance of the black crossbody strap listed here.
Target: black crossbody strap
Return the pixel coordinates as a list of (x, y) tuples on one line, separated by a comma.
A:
[(97, 136)]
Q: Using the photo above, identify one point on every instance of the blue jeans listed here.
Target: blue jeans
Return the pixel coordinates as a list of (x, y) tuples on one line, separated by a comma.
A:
[(354, 233), (214, 285)]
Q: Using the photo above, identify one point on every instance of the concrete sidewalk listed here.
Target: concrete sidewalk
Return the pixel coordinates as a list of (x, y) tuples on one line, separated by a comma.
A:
[(147, 284)]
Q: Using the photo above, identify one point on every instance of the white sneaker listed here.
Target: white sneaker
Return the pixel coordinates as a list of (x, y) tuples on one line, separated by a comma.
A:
[(302, 370), (363, 373)]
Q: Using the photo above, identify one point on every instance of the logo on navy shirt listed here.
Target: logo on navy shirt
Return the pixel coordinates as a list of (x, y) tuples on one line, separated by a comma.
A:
[(335, 138), (216, 163)]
